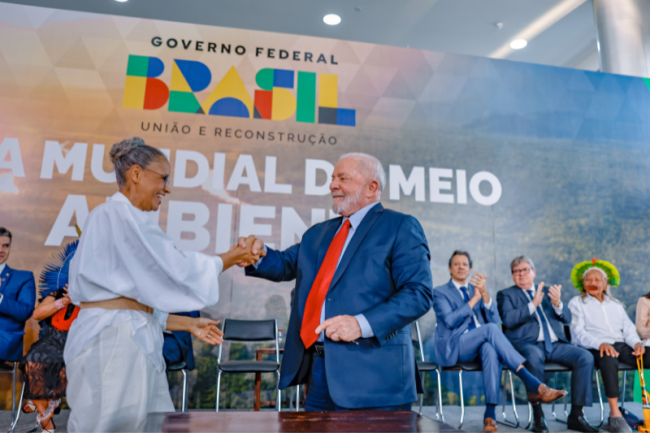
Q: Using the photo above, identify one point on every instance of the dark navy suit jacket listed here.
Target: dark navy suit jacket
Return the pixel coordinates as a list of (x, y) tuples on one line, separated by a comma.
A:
[(19, 296), (384, 274), (453, 316), (522, 327), (178, 344)]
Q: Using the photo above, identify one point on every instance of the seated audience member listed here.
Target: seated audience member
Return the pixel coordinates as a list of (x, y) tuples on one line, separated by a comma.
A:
[(467, 330), (17, 299), (43, 366), (643, 318), (178, 345), (601, 324), (533, 321)]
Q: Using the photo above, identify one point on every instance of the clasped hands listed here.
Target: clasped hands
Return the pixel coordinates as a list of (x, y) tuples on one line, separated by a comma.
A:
[(247, 251), (480, 288)]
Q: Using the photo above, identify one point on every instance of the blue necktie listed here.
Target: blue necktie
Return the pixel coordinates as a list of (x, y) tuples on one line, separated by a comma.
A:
[(548, 344), (472, 325)]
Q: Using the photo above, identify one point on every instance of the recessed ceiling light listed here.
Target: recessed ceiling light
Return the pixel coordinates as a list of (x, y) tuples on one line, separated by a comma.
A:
[(121, 1), (331, 19), (518, 44)]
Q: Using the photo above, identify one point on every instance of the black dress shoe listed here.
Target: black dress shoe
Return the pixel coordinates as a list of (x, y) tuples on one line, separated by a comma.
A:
[(579, 423), (539, 425)]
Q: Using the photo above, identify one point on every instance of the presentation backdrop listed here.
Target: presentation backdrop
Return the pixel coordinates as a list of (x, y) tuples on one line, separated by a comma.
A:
[(494, 157)]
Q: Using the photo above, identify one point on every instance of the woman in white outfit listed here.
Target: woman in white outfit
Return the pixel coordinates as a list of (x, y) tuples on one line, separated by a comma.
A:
[(126, 276)]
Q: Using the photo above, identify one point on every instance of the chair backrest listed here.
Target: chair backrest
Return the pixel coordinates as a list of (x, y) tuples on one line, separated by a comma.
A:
[(249, 330)]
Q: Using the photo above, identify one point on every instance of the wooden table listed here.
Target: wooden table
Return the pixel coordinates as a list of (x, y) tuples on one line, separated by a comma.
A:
[(350, 421), (258, 377)]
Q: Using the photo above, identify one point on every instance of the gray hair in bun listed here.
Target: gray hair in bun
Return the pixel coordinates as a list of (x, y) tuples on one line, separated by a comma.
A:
[(129, 152)]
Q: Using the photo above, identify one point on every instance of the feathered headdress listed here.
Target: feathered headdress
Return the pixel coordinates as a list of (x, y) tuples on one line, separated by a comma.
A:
[(55, 274), (613, 277)]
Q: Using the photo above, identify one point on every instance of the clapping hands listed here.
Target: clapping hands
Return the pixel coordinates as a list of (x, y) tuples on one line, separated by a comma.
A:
[(480, 287)]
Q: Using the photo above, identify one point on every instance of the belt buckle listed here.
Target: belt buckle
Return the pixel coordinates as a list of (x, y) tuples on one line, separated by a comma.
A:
[(320, 350)]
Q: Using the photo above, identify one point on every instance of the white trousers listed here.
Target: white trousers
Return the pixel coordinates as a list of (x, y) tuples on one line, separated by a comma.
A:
[(112, 385)]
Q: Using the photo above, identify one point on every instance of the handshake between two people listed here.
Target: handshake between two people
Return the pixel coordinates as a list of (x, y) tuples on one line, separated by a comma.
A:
[(247, 251)]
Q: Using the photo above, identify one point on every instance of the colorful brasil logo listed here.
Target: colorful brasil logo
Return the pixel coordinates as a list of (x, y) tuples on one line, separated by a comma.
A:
[(274, 101)]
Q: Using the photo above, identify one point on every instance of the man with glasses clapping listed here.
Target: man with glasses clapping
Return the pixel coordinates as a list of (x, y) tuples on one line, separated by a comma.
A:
[(533, 319)]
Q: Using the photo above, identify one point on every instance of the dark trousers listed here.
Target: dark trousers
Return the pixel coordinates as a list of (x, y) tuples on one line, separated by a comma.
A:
[(579, 360), (608, 366), (318, 395)]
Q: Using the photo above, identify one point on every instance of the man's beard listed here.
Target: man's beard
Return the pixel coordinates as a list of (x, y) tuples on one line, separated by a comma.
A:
[(349, 202)]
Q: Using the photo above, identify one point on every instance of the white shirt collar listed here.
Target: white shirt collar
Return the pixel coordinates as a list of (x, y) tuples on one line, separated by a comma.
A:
[(358, 216), (457, 284), (605, 298), (2, 267)]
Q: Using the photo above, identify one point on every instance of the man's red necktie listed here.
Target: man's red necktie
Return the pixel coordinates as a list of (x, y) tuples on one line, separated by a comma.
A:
[(314, 305)]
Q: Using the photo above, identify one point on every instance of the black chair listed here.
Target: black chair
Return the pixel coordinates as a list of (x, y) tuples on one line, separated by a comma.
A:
[(426, 367), (15, 411), (182, 367), (252, 331)]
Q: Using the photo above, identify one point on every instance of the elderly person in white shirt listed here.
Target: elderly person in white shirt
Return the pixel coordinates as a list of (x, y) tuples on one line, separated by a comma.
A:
[(126, 276), (601, 324)]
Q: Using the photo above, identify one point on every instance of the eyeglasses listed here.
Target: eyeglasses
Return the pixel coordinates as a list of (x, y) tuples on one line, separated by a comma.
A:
[(165, 177), (520, 271)]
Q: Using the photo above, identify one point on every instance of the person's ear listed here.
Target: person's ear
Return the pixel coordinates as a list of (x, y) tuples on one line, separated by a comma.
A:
[(373, 187), (136, 173)]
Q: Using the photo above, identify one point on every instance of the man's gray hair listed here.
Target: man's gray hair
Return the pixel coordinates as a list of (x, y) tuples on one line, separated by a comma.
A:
[(370, 165), (129, 152), (521, 259)]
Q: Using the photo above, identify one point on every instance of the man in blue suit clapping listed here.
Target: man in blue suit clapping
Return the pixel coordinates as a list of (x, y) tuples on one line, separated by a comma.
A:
[(533, 321), (17, 299), (467, 329), (361, 280)]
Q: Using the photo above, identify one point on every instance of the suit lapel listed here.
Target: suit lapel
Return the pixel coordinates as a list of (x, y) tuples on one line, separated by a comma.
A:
[(326, 240), (454, 295), (5, 276), (523, 295), (358, 237)]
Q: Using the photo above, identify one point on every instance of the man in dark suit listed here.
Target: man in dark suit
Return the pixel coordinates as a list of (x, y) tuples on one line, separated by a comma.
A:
[(533, 321), (361, 280), (467, 329), (17, 299)]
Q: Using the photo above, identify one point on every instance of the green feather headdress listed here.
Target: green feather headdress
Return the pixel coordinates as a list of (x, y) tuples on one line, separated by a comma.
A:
[(613, 277)]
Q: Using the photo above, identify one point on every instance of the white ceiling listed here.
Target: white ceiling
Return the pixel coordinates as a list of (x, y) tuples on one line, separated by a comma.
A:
[(560, 32)]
